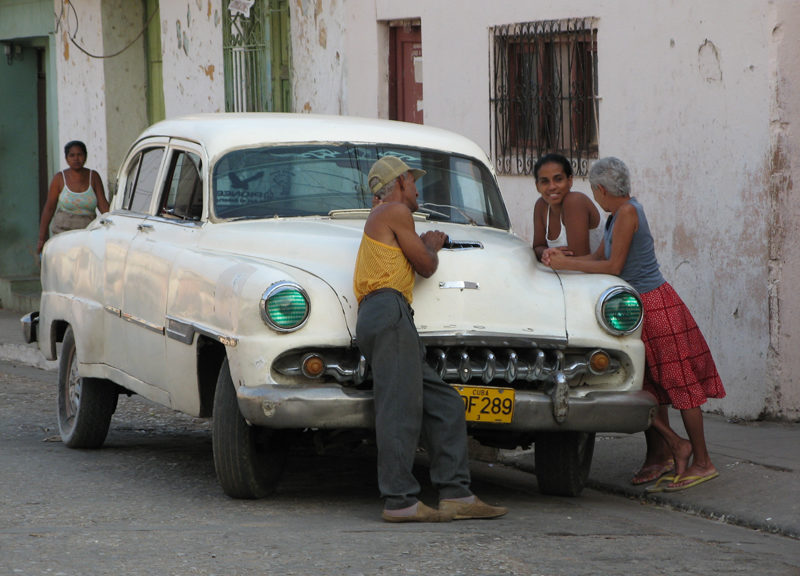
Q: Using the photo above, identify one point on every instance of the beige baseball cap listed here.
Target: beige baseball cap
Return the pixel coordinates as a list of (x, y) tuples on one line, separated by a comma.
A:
[(386, 169)]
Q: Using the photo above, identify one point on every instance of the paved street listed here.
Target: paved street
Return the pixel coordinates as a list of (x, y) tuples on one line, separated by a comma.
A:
[(148, 503)]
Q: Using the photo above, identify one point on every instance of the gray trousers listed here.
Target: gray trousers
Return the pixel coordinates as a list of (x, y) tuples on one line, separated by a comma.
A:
[(411, 404)]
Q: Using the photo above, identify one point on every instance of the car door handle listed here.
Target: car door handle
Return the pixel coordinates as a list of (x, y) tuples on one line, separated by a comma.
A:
[(145, 227), (106, 221)]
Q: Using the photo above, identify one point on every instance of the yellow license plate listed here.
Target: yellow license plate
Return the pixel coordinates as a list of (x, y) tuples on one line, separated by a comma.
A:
[(485, 404)]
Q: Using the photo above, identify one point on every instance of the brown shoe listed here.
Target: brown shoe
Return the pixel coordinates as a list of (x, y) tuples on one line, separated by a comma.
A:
[(423, 514), (467, 510)]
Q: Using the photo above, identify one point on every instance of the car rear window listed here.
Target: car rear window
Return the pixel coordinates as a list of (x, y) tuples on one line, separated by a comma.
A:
[(316, 179)]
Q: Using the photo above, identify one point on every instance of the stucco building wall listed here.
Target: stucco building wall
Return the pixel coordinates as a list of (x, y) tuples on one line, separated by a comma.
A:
[(784, 222), (191, 43), (81, 82), (694, 97)]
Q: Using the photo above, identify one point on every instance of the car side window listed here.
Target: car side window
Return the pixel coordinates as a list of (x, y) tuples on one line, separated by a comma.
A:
[(183, 192), (141, 180)]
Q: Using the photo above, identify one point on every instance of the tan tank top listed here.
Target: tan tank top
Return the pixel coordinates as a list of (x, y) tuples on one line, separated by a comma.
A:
[(379, 265)]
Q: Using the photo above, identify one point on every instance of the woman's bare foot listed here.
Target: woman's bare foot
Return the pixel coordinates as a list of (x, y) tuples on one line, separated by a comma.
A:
[(693, 476), (652, 471), (682, 453)]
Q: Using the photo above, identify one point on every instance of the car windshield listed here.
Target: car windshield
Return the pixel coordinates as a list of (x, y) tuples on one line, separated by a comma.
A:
[(316, 179)]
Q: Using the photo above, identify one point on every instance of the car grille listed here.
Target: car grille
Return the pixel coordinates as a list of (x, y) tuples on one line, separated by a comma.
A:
[(533, 368)]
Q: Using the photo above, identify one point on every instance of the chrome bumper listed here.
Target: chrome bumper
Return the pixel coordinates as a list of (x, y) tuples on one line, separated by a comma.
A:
[(30, 324), (333, 407)]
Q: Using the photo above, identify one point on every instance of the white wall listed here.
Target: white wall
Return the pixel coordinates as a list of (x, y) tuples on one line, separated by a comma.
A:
[(784, 268), (191, 44), (81, 97), (690, 100)]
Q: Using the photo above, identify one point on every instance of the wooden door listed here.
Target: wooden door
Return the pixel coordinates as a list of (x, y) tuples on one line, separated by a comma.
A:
[(405, 74)]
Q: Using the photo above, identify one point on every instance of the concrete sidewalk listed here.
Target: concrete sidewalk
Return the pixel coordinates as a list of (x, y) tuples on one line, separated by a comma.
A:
[(759, 462)]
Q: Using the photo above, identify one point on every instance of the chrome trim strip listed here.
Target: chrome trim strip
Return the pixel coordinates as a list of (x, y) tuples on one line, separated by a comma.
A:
[(459, 285), (115, 311), (468, 338), (143, 323), (184, 331)]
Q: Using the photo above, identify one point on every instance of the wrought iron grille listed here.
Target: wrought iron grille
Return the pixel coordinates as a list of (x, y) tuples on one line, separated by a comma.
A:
[(543, 94), (247, 63)]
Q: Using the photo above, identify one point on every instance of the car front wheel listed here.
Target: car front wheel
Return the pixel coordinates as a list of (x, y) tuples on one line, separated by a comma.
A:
[(85, 405), (563, 460), (249, 460)]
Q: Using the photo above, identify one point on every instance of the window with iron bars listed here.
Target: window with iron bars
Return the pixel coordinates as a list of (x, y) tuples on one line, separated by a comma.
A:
[(543, 94), (256, 50)]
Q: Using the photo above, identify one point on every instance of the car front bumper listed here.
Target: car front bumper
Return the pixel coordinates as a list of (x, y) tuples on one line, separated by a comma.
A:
[(334, 407)]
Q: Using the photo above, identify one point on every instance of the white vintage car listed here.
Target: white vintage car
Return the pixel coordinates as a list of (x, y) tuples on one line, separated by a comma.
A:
[(220, 285)]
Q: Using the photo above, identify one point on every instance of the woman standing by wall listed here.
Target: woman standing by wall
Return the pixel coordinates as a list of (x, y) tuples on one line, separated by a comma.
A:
[(74, 196)]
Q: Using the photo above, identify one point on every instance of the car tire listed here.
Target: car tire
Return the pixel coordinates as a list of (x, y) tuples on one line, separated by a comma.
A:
[(85, 405), (562, 461), (249, 460)]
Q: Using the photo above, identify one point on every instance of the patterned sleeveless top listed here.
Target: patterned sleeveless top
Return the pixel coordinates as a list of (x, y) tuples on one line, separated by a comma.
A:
[(80, 203), (379, 265)]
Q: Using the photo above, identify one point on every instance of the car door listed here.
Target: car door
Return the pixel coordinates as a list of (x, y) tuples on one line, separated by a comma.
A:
[(170, 230), (130, 208)]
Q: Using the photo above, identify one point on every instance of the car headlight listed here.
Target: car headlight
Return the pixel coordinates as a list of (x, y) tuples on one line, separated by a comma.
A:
[(284, 306), (619, 310)]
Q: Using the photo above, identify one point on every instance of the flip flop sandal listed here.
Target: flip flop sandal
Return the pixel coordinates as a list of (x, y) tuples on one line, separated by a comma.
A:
[(692, 481), (661, 485), (653, 472)]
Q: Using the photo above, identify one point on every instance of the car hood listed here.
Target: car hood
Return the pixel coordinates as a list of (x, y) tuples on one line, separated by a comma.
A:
[(490, 285)]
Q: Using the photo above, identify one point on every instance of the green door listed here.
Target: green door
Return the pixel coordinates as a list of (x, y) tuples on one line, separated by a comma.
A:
[(19, 159)]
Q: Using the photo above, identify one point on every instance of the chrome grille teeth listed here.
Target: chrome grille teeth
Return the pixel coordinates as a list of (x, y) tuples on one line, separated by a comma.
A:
[(490, 366), (464, 367), (511, 367), (459, 365)]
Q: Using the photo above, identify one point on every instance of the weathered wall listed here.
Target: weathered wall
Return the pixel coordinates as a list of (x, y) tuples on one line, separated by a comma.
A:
[(695, 98), (191, 44), (318, 46), (81, 83), (125, 74), (784, 246)]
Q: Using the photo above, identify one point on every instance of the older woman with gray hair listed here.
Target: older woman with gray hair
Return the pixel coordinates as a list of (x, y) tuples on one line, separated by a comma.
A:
[(679, 368)]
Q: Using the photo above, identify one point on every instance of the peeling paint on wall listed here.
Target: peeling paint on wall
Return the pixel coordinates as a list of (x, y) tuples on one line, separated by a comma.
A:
[(323, 35), (708, 57)]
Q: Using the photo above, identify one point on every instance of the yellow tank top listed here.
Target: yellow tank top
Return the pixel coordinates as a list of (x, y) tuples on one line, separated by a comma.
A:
[(379, 265)]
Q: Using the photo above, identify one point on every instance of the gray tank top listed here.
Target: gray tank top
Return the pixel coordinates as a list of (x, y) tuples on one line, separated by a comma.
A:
[(641, 268)]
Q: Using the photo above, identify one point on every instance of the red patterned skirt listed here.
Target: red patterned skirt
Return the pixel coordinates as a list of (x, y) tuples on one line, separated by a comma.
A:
[(680, 370)]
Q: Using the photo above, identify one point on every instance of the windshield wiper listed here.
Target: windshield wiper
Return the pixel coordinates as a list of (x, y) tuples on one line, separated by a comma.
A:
[(467, 217)]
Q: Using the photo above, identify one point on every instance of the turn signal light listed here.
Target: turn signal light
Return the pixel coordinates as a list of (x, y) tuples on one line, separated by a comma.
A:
[(313, 366), (599, 361)]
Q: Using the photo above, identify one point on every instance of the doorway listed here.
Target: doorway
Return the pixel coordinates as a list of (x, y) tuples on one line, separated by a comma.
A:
[(405, 72)]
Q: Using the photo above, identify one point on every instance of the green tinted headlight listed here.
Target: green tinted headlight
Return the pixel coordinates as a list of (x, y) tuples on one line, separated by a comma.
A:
[(619, 310), (284, 306)]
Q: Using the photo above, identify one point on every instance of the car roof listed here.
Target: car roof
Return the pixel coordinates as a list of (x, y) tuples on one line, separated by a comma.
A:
[(224, 131)]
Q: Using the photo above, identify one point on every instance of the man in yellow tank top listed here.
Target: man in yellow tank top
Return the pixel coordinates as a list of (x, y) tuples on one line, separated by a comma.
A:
[(410, 399)]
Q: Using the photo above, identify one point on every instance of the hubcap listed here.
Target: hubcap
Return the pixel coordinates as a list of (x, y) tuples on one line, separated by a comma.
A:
[(73, 389)]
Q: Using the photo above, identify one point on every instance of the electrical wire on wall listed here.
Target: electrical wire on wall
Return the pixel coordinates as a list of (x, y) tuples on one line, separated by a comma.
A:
[(64, 17)]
